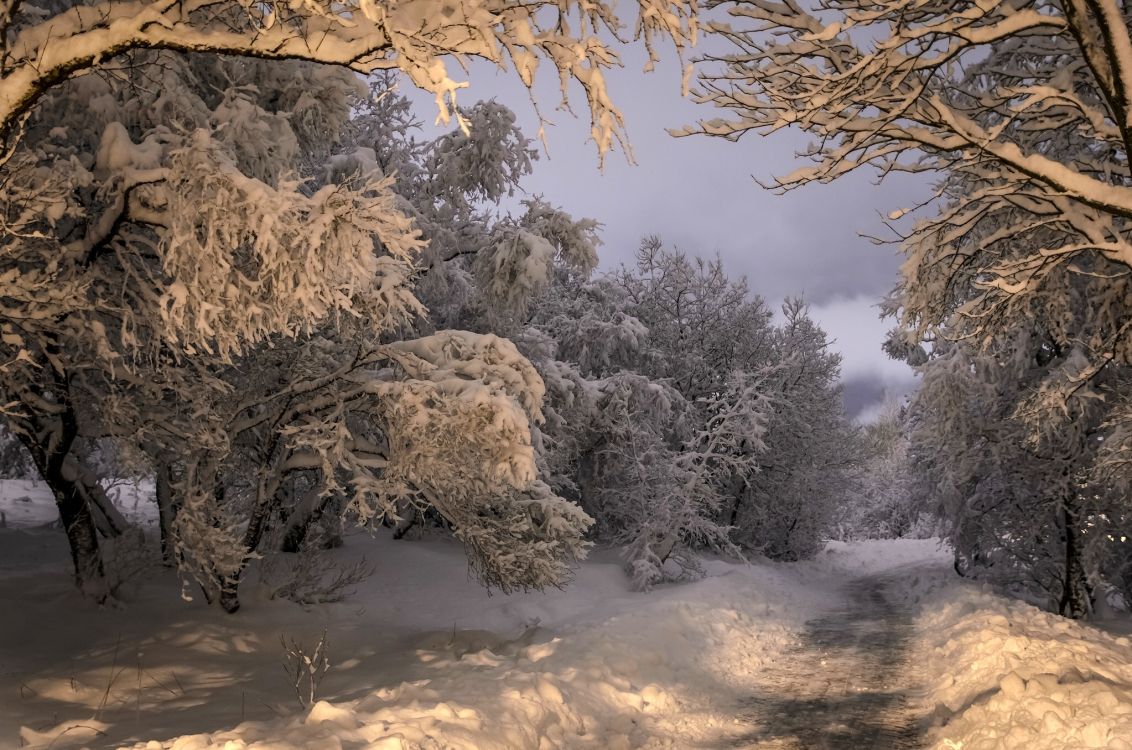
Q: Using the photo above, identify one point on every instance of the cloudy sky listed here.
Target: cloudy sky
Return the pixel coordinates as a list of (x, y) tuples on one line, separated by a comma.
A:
[(699, 194)]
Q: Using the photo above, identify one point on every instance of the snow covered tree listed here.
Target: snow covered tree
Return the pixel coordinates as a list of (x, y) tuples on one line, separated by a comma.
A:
[(672, 381), (124, 287), (258, 327), (47, 44), (702, 324), (517, 532), (786, 506), (1029, 512), (1021, 107), (999, 498), (15, 463), (174, 115), (881, 504), (657, 478), (706, 330)]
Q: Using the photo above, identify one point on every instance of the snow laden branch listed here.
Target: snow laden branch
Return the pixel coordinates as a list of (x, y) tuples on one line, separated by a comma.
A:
[(1021, 108), (440, 423), (892, 85), (453, 420), (257, 259), (43, 48)]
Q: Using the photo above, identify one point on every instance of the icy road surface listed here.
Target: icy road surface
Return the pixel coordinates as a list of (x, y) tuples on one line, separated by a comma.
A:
[(846, 684)]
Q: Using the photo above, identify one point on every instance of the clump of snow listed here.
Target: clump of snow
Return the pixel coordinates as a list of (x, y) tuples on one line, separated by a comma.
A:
[(1004, 675)]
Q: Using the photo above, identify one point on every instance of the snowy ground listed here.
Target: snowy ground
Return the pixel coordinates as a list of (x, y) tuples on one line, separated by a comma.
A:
[(767, 656)]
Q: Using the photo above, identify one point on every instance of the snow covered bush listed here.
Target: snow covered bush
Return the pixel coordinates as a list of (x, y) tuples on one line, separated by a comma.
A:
[(882, 502), (683, 420)]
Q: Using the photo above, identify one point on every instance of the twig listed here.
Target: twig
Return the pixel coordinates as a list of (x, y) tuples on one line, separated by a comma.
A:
[(178, 681), (139, 687), (113, 677), (161, 685), (305, 670)]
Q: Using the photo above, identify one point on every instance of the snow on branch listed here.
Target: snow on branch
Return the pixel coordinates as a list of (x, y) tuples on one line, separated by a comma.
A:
[(446, 426), (899, 85), (1022, 107), (256, 259), (415, 36)]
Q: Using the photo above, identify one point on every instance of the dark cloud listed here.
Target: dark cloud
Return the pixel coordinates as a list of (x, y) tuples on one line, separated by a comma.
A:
[(870, 378), (859, 395)]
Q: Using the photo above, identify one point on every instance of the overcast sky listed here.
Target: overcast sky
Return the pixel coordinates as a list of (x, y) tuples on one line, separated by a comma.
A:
[(699, 194)]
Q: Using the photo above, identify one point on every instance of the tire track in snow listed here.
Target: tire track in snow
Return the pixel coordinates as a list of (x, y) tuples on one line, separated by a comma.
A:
[(844, 686)]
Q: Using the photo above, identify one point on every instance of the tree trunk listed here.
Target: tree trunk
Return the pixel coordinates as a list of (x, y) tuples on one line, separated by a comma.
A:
[(267, 500), (737, 489), (960, 565), (305, 518), (300, 518), (665, 546), (166, 511), (1076, 594), (75, 514), (107, 519), (229, 599), (49, 440), (409, 515)]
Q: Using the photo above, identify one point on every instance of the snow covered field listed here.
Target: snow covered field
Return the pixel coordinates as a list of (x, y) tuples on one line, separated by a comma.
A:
[(423, 657)]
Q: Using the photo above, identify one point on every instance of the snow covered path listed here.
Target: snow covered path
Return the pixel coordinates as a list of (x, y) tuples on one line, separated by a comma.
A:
[(867, 646), (846, 684)]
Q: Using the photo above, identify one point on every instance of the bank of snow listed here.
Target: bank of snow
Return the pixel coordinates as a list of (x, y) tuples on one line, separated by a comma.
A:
[(1000, 674), (1003, 675), (421, 656)]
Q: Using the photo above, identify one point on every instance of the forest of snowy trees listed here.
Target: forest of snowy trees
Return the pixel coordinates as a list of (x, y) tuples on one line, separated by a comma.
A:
[(1013, 300), (485, 382), (232, 265)]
